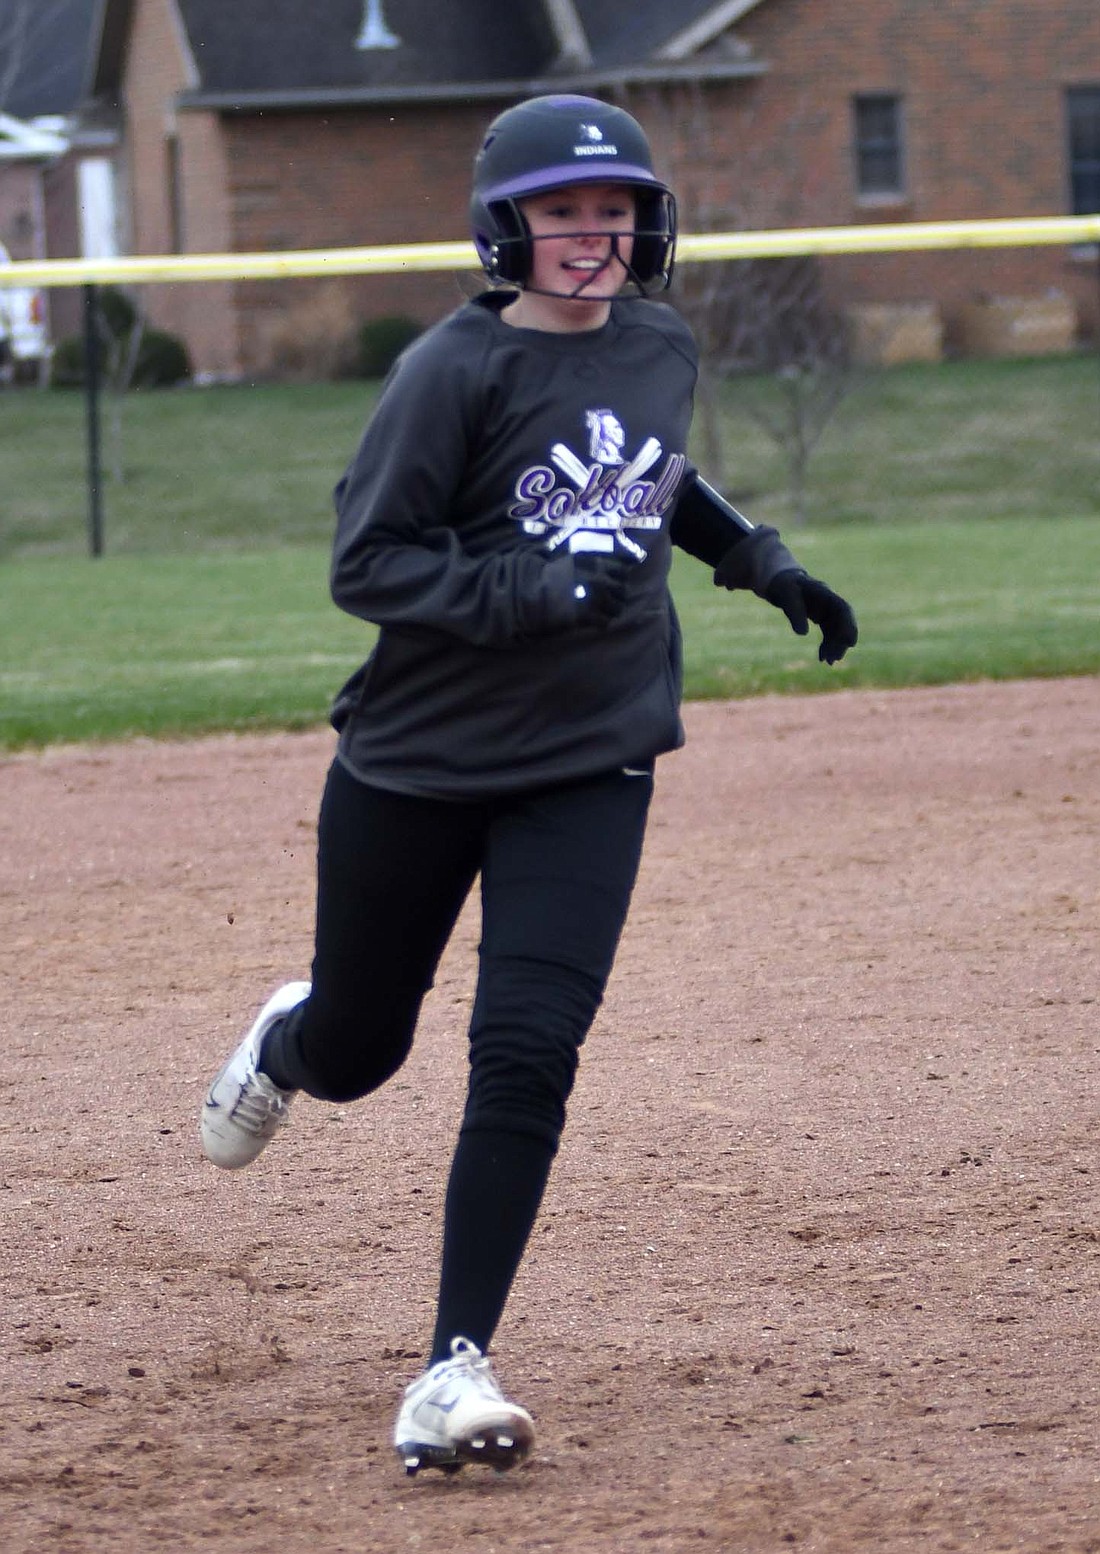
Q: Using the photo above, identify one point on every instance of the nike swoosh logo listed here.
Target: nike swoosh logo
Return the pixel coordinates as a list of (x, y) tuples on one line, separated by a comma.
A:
[(444, 1408)]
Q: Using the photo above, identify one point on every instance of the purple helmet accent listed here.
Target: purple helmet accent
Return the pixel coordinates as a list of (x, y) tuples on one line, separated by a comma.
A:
[(547, 143), (546, 178)]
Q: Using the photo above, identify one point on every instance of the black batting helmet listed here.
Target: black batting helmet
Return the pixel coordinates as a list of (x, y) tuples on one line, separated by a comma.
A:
[(548, 142)]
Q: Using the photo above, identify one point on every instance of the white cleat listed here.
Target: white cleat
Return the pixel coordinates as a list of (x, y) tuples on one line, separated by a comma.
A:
[(456, 1413), (243, 1109)]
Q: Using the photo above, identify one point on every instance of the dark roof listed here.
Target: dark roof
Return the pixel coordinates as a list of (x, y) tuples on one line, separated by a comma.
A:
[(624, 33), (45, 55), (266, 54), (282, 45)]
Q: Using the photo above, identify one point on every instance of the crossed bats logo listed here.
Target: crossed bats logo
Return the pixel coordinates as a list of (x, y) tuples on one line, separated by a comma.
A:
[(606, 496)]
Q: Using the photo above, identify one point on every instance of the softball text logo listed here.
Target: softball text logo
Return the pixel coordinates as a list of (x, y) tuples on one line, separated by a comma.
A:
[(605, 496)]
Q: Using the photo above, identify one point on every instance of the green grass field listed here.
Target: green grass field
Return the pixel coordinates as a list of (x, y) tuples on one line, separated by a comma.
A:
[(958, 507)]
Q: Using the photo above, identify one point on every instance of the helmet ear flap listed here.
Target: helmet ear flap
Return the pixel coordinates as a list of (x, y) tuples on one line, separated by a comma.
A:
[(656, 236), (512, 242), (502, 238)]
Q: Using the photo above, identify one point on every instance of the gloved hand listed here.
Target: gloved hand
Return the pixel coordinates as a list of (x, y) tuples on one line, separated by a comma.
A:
[(600, 587), (803, 599)]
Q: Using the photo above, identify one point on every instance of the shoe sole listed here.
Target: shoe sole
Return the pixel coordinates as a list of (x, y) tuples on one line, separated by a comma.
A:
[(495, 1448)]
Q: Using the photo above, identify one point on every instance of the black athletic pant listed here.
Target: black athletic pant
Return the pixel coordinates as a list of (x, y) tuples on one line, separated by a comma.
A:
[(557, 869)]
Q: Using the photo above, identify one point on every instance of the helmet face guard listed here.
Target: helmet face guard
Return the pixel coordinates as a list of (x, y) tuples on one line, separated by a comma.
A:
[(549, 143)]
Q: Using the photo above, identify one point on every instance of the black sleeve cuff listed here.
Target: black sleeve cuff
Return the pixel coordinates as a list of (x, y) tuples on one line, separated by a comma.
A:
[(705, 525)]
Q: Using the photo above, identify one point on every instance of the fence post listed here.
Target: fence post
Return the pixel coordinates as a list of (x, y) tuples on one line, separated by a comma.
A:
[(91, 401)]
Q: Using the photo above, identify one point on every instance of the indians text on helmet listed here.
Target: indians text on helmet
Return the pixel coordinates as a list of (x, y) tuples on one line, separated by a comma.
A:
[(592, 143)]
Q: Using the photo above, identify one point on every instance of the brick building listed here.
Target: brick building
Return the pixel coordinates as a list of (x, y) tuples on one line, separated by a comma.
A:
[(56, 162), (267, 124)]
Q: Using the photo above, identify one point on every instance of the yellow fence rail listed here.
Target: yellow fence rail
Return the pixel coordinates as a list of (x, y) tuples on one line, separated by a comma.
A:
[(408, 257), (411, 257)]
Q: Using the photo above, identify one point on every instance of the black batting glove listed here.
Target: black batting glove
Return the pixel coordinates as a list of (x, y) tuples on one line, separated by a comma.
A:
[(753, 560), (600, 587), (804, 599)]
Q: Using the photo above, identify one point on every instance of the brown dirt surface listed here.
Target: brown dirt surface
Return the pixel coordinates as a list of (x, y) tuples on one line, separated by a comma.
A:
[(818, 1267)]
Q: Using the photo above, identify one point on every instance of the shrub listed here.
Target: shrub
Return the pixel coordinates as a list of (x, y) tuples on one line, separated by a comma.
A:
[(67, 366), (381, 341), (162, 361), (161, 358)]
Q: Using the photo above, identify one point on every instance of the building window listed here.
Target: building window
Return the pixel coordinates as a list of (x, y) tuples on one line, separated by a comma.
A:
[(1083, 105), (879, 172)]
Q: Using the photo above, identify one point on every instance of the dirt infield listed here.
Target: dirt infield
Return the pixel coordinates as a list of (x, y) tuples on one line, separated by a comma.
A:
[(820, 1262)]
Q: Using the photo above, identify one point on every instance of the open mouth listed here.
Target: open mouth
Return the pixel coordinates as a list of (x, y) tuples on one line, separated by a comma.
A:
[(586, 269)]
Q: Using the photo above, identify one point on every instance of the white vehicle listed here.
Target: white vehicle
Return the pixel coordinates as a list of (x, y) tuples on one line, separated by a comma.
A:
[(24, 337)]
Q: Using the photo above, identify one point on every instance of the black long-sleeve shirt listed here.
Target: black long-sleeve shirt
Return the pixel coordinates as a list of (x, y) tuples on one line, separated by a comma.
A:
[(495, 455)]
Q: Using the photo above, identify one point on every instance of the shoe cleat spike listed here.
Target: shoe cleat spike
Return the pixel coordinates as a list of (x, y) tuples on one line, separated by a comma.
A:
[(506, 1442), (412, 1466), (478, 1443)]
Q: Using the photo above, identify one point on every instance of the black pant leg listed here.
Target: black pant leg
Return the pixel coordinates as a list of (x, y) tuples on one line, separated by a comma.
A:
[(393, 872), (556, 885), (495, 1187), (557, 879)]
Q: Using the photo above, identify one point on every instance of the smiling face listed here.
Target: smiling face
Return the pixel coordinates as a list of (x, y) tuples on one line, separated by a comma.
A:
[(582, 241)]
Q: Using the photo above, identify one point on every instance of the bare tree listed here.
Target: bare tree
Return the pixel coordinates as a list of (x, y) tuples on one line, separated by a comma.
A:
[(765, 327), (123, 354)]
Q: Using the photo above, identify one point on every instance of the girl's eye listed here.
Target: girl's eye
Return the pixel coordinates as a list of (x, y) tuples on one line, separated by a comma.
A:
[(563, 211)]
